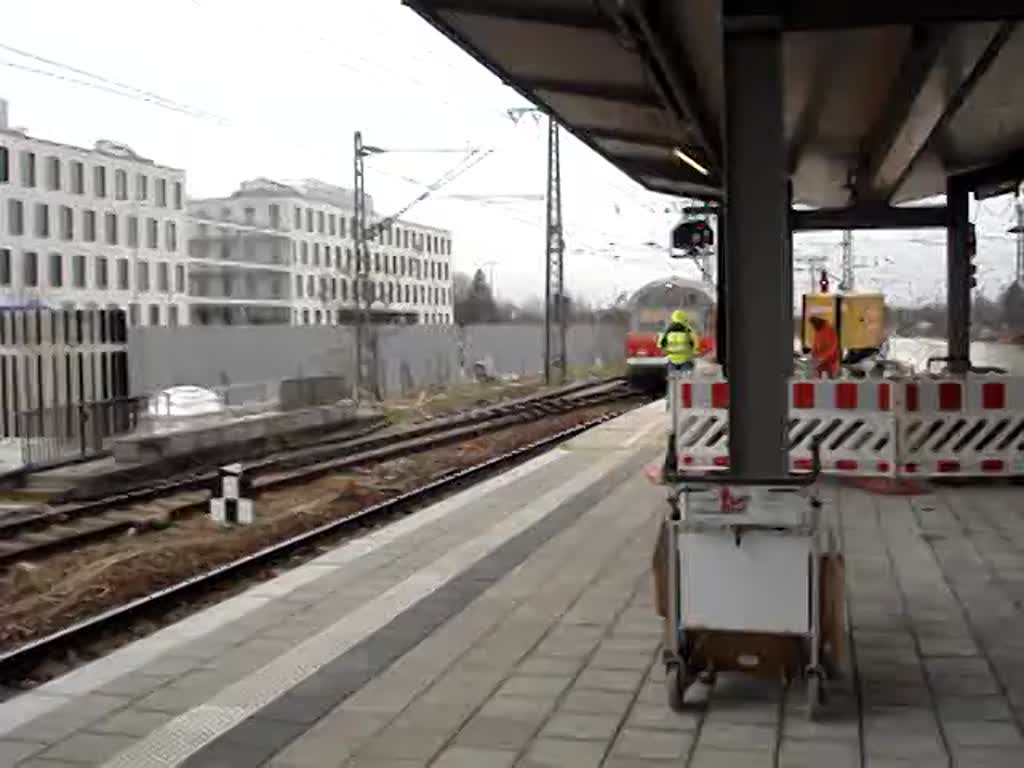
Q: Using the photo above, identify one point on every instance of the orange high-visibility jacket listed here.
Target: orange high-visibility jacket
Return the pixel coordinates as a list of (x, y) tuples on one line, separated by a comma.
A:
[(826, 350)]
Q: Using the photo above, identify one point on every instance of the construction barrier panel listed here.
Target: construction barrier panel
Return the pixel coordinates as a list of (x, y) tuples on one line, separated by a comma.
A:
[(878, 428), (966, 427)]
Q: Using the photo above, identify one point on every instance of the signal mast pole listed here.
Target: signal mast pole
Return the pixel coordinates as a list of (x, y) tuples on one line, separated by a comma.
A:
[(555, 314), (364, 352)]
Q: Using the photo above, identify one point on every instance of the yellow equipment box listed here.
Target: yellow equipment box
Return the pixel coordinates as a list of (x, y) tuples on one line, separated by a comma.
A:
[(859, 318)]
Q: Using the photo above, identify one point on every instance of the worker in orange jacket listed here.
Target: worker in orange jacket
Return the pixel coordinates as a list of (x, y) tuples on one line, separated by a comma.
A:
[(825, 348)]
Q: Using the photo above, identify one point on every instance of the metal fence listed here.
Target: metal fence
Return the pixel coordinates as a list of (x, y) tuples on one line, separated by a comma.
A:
[(67, 432)]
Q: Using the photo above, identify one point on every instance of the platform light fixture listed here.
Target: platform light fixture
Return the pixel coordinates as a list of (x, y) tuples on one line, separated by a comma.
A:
[(690, 161)]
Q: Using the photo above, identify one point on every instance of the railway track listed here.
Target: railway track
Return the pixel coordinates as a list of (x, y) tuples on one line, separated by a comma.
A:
[(64, 527), (118, 622)]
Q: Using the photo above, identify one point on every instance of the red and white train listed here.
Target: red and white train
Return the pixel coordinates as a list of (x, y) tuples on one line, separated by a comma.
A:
[(649, 310)]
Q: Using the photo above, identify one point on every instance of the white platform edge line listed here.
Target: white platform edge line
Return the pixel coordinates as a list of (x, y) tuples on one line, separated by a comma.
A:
[(39, 701), (185, 735)]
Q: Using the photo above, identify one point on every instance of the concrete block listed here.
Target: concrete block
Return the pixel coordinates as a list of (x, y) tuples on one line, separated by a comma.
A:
[(541, 687), (13, 752), (312, 391), (465, 757), (564, 753), (575, 725), (652, 745), (501, 733), (89, 748), (815, 754)]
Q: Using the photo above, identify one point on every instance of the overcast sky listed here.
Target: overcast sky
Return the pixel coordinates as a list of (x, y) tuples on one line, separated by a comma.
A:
[(275, 89)]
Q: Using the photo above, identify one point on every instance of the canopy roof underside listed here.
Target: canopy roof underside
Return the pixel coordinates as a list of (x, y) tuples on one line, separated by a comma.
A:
[(883, 100)]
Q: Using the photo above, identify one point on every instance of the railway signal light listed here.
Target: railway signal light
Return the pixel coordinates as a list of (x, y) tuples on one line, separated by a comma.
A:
[(693, 234)]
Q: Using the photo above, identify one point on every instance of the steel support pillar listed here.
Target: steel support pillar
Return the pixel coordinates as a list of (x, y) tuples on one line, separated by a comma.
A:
[(958, 277), (722, 294), (759, 311)]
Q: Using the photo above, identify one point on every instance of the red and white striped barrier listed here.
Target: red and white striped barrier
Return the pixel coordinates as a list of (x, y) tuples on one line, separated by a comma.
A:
[(966, 427), (919, 428), (854, 421)]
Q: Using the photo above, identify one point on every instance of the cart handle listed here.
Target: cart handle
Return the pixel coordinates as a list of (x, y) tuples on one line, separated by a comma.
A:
[(793, 480)]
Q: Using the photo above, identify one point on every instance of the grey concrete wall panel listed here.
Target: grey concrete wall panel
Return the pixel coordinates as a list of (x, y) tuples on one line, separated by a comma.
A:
[(410, 358)]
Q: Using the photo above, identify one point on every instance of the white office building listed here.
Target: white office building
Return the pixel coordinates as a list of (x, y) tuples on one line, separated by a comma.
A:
[(91, 229), (283, 253)]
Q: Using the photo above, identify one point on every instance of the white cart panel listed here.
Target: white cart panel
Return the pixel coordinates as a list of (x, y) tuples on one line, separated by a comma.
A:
[(763, 585)]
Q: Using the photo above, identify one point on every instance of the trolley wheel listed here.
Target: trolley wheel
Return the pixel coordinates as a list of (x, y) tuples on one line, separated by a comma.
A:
[(815, 699), (678, 679)]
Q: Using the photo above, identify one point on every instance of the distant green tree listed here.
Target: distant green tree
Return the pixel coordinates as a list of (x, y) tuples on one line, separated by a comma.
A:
[(474, 300), (1012, 302)]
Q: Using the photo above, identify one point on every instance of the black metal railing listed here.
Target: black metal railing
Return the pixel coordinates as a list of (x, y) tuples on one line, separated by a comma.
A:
[(62, 433)]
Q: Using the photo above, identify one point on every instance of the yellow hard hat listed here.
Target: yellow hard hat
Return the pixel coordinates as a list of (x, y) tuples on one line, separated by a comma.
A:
[(679, 316)]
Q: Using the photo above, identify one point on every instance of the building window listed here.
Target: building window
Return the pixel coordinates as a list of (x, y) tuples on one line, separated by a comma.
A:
[(298, 286), (154, 314), (28, 169), (162, 275), (152, 233), (66, 222), (376, 262), (304, 250), (179, 201), (275, 216), (42, 220), (102, 276), (332, 224), (171, 236), (298, 218), (179, 278), (5, 166), (172, 316), (120, 184), (133, 314), (320, 222), (141, 186), (77, 177), (334, 289), (30, 269), (15, 217), (56, 270), (316, 254), (99, 181), (110, 227), (305, 317), (309, 219), (142, 275), (161, 192), (310, 287), (132, 231), (250, 215), (5, 266), (79, 266), (89, 226), (53, 173), (122, 275), (323, 289)]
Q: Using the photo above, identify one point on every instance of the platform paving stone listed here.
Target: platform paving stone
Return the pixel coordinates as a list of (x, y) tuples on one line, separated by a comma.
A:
[(557, 663), (14, 752), (88, 748)]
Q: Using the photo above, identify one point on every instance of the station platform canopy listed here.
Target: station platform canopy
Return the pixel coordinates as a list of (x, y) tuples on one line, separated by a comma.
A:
[(884, 99)]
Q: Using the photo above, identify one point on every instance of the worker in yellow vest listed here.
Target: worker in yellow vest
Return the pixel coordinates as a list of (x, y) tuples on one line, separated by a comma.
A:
[(679, 342)]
